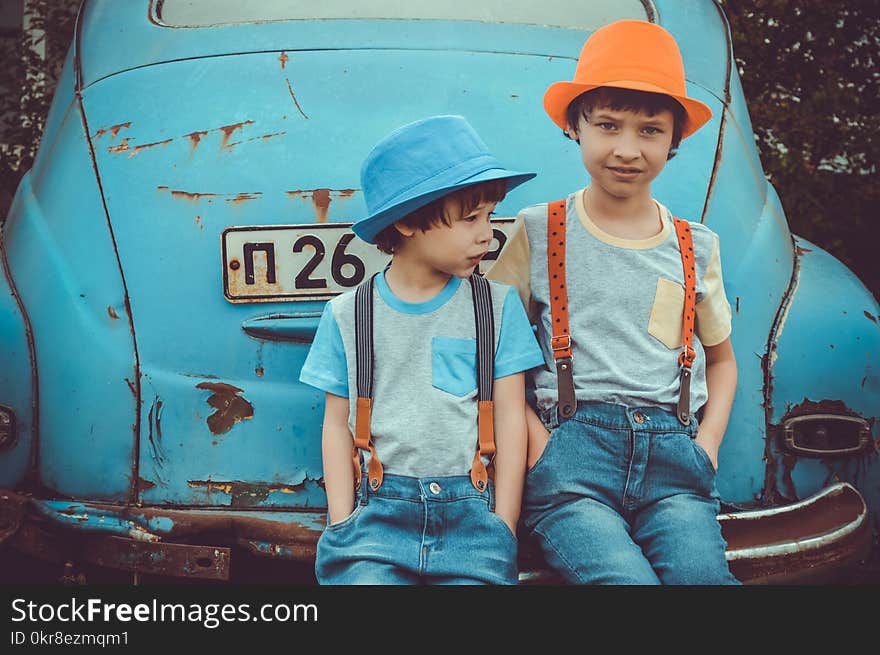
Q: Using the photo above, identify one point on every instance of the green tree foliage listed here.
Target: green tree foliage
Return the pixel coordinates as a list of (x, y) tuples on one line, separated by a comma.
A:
[(32, 61), (810, 74)]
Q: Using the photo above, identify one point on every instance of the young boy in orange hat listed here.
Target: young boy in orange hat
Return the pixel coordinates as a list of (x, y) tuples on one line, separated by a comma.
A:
[(634, 325), (409, 362)]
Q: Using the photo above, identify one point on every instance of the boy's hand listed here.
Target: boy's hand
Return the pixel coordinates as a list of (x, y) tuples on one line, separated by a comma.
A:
[(721, 384), (509, 521), (510, 441), (709, 443), (538, 437)]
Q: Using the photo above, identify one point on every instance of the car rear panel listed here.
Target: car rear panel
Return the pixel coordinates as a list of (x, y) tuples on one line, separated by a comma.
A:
[(189, 148)]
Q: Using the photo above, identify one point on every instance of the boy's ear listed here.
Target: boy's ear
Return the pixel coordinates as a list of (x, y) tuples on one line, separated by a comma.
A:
[(404, 229)]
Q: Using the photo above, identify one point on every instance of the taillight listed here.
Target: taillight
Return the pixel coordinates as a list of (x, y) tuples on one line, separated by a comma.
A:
[(826, 434)]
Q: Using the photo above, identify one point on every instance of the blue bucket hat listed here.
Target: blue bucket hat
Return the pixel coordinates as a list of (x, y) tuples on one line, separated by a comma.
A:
[(423, 161)]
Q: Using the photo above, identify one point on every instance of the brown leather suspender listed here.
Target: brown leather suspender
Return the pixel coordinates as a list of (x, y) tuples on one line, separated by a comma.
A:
[(485, 328), (686, 358), (560, 341), (363, 321), (485, 365)]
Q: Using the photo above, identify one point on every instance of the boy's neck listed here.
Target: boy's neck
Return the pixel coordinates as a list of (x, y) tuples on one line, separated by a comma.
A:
[(412, 281), (631, 217)]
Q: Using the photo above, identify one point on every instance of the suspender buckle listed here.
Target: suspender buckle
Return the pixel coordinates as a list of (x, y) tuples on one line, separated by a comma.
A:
[(687, 357), (562, 342)]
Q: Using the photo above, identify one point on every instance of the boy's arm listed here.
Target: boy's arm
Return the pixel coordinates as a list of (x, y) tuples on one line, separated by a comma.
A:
[(336, 445), (510, 443), (721, 384)]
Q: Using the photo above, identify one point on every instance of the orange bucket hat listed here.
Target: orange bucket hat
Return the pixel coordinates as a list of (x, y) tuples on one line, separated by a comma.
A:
[(629, 54)]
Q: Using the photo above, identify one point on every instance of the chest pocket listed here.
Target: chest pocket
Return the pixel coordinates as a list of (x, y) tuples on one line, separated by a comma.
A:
[(665, 323), (454, 365)]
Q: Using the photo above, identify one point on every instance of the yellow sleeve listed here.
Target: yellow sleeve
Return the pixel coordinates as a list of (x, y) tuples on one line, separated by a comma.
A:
[(713, 312), (512, 266)]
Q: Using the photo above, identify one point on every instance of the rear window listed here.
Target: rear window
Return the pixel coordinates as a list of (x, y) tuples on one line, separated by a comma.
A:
[(552, 13)]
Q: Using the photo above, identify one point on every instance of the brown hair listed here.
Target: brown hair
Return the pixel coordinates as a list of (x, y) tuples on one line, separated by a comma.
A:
[(443, 210), (643, 102)]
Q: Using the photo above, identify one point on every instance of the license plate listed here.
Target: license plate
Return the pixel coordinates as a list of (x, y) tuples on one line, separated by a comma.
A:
[(287, 263)]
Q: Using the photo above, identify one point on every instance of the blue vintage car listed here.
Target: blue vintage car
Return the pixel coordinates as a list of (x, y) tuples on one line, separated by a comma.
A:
[(167, 258)]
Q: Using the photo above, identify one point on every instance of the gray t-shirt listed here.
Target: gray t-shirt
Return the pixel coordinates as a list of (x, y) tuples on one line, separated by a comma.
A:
[(625, 303), (424, 416)]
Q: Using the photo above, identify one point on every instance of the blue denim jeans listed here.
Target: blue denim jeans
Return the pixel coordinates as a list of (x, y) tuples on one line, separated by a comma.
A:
[(419, 531), (625, 496)]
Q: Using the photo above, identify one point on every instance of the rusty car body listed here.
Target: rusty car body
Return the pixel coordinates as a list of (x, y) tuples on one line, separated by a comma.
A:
[(166, 260)]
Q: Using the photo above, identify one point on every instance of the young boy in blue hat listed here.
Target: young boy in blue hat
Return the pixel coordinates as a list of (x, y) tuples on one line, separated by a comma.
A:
[(398, 360), (634, 325)]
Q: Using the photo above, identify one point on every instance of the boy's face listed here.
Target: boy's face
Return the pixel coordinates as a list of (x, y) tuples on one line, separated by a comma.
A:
[(623, 150), (454, 249)]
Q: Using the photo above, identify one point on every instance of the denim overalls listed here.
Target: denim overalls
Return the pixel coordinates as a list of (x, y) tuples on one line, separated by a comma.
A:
[(419, 531), (624, 495)]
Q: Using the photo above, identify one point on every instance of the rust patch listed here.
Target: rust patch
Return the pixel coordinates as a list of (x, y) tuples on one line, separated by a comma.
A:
[(199, 222), (209, 486), (243, 197), (264, 137), (283, 59), (229, 129), (100, 133), (137, 149), (187, 195), (166, 559), (870, 316), (231, 408), (114, 130), (112, 313), (122, 147), (295, 101), (194, 138), (770, 494), (131, 386), (800, 250), (821, 407), (259, 372), (321, 199), (145, 485), (179, 194), (186, 524), (246, 493)]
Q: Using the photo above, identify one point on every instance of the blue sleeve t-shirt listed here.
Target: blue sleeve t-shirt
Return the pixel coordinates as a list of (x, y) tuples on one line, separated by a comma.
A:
[(424, 417)]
